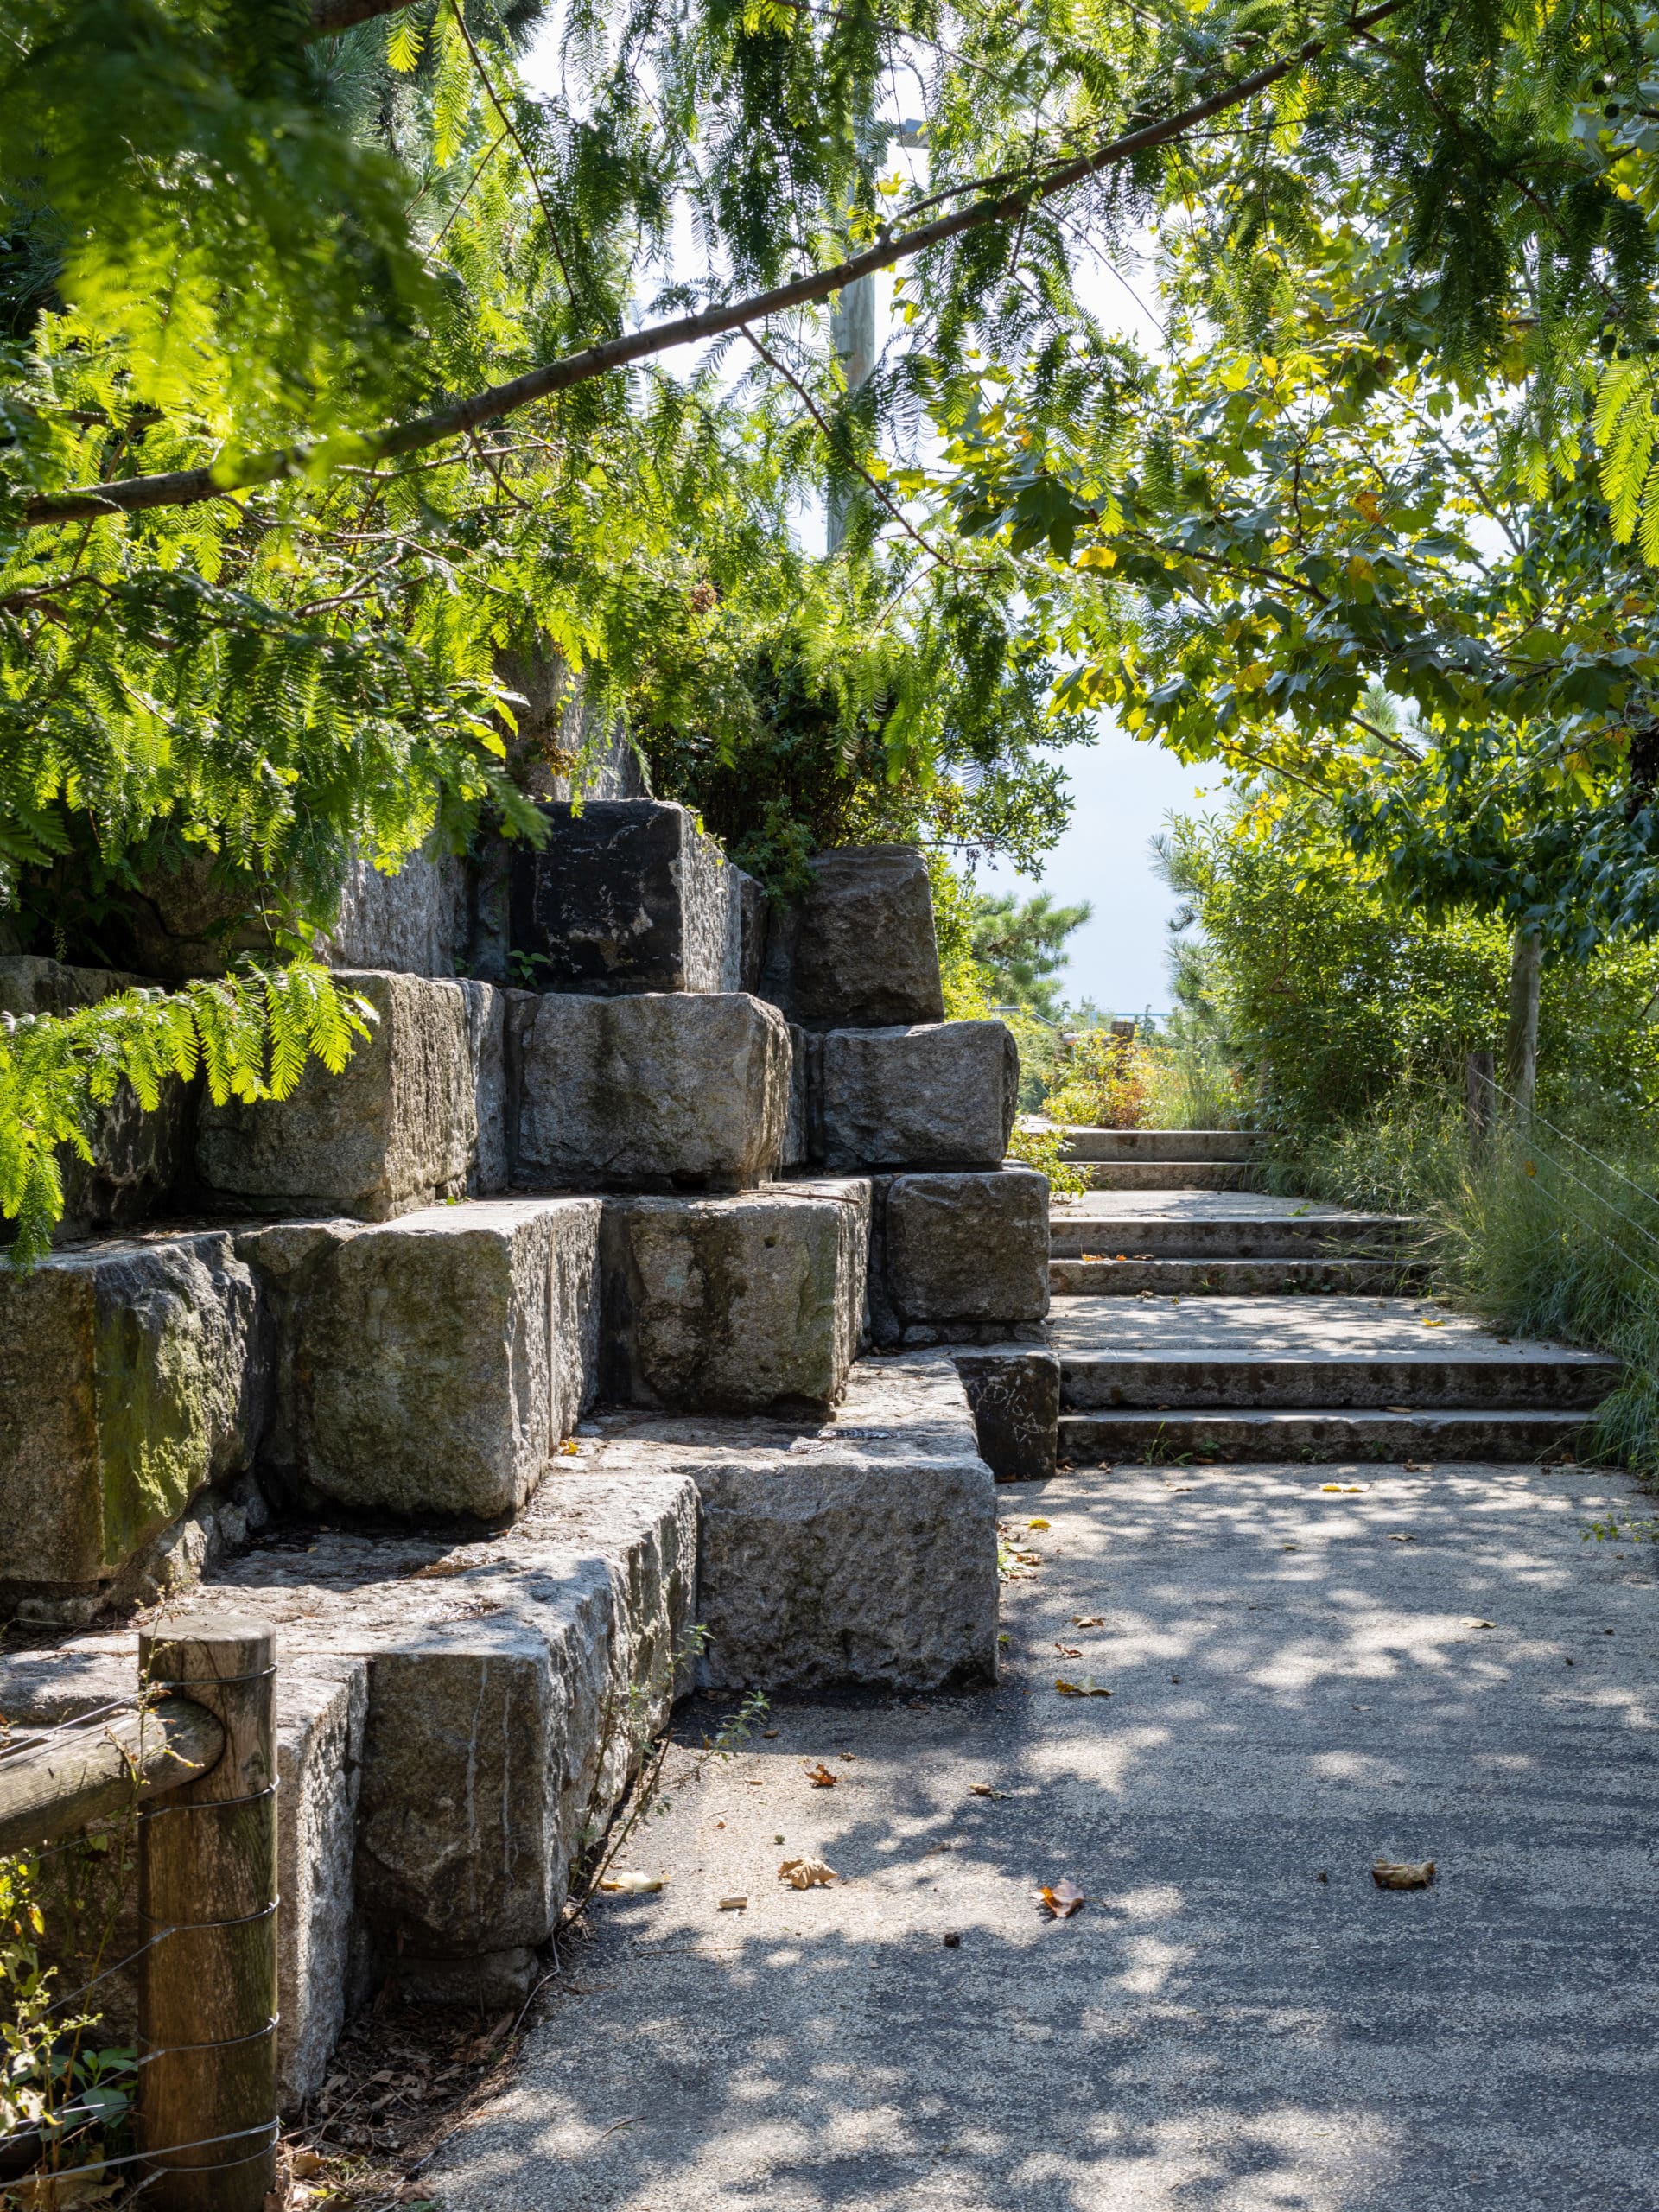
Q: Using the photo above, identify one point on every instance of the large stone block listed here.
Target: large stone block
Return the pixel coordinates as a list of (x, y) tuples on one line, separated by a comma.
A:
[(1013, 1393), (137, 1156), (862, 1551), (487, 1052), (941, 1095), (733, 1304), (961, 1256), (513, 1684), (662, 1089), (431, 1364), (396, 1128), (132, 1375), (627, 896), (857, 950), (417, 919)]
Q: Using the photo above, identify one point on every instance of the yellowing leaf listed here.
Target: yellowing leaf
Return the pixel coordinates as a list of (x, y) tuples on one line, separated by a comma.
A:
[(1087, 1688), (1059, 1900), (1402, 1873), (820, 1776), (633, 1885), (1096, 556), (404, 39), (807, 1874), (1036, 1524)]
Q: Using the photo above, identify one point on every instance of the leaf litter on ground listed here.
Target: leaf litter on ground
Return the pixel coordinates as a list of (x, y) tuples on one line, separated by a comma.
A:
[(820, 1776), (1059, 1900), (1087, 1688), (807, 1874), (1402, 1873)]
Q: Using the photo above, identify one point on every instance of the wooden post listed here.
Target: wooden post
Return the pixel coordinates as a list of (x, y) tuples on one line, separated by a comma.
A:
[(207, 1873), (1480, 1099)]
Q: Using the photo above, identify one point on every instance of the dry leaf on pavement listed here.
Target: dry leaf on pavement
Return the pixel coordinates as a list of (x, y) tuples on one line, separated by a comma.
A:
[(1401, 1536), (1087, 1688), (1060, 1900), (1070, 1651), (1470, 1621), (820, 1776), (984, 1789), (807, 1874), (1402, 1874), (1088, 1620), (633, 1885)]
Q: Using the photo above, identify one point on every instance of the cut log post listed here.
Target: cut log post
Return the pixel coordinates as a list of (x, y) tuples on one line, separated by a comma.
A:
[(206, 2105)]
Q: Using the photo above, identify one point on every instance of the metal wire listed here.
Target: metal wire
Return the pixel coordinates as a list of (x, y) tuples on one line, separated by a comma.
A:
[(172, 2150), (1606, 1166), (41, 1731), (207, 1804), (1590, 1190)]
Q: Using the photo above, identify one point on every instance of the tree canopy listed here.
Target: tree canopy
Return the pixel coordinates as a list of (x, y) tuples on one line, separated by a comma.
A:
[(339, 374)]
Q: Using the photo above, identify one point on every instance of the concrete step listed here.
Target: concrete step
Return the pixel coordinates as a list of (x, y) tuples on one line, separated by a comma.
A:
[(1325, 1434), (1165, 1224), (1110, 1277), (1167, 1175), (1328, 1354), (1161, 1144)]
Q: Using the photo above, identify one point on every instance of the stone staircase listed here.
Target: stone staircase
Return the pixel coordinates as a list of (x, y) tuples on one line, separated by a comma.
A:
[(1195, 1319)]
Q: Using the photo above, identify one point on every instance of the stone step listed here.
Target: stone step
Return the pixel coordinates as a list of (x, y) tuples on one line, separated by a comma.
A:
[(1324, 1434), (1168, 1175), (1297, 1354), (958, 1259), (1215, 1225), (1087, 1277), (1161, 1144), (627, 896), (857, 1551), (736, 1304)]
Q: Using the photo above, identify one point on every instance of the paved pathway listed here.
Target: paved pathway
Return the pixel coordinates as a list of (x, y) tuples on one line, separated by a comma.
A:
[(1219, 2030)]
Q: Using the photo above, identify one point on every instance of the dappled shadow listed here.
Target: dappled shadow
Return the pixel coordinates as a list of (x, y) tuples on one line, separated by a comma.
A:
[(1220, 2029)]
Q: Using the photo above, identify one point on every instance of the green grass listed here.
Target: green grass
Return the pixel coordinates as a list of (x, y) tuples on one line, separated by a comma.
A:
[(1540, 1234)]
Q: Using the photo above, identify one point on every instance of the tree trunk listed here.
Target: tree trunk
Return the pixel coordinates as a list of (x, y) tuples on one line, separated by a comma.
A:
[(1521, 1036)]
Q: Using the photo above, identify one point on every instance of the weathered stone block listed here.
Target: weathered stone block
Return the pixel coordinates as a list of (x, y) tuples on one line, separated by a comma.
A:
[(942, 1095), (486, 1051), (964, 1252), (396, 1128), (862, 1551), (132, 1375), (658, 1089), (136, 1155), (415, 920), (432, 1363), (1013, 1393), (511, 1685), (733, 1304), (627, 896), (858, 949)]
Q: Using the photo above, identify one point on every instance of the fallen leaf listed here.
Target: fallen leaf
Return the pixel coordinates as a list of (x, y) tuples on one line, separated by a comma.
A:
[(1416, 1466), (303, 2164), (1470, 1620), (732, 1905), (1400, 1536), (1088, 1620), (850, 1756), (633, 1885), (1402, 1874), (1060, 1900), (984, 1789), (820, 1776), (1331, 1486), (1290, 1548), (1029, 1559), (1036, 1524), (807, 1874), (1070, 1651), (768, 1733), (570, 1449), (1087, 1688), (752, 1782), (1428, 1324)]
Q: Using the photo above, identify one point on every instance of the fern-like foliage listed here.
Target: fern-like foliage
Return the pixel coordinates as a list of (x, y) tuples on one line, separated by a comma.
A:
[(248, 1034)]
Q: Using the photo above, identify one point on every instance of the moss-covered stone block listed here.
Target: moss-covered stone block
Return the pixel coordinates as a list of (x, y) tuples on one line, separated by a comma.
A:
[(132, 1373)]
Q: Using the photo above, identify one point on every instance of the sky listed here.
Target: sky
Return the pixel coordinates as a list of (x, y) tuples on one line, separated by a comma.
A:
[(1124, 793)]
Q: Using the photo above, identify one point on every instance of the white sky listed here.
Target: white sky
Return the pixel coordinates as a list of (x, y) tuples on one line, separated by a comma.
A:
[(1124, 791)]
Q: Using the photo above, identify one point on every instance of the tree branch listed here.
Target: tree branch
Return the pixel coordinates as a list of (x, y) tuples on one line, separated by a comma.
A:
[(330, 17), (188, 486)]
